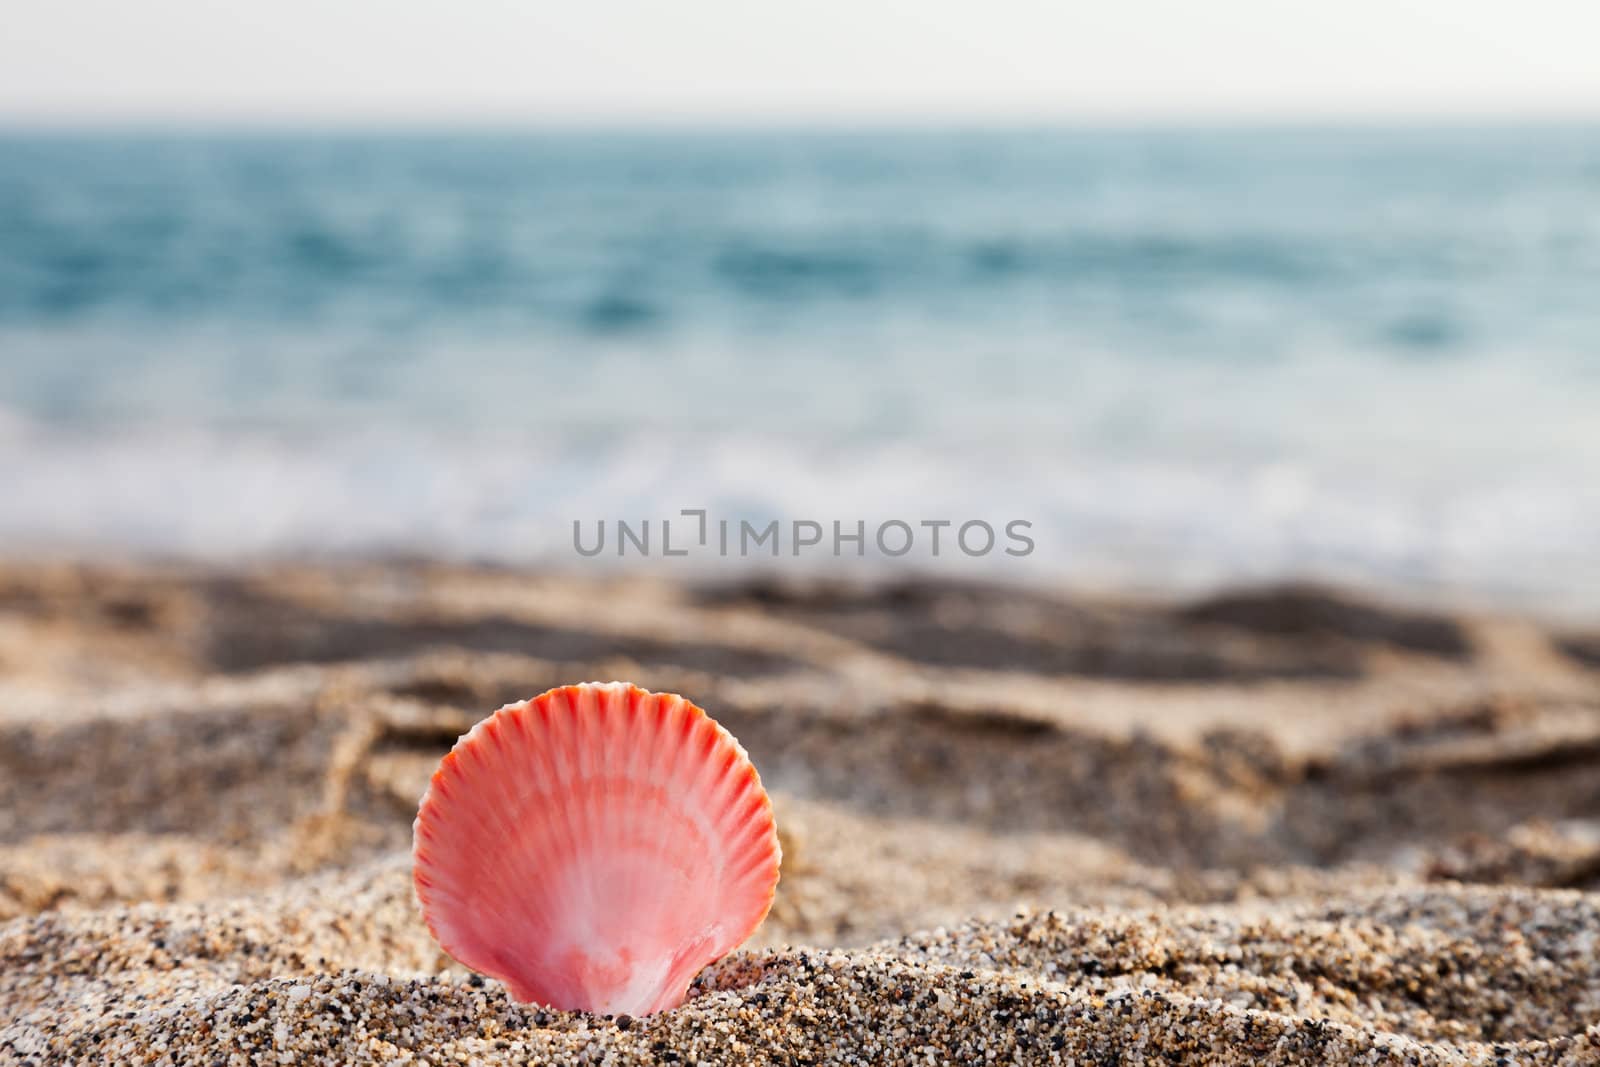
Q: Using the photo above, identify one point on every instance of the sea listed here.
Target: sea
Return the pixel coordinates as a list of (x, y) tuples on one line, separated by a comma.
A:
[(1185, 357)]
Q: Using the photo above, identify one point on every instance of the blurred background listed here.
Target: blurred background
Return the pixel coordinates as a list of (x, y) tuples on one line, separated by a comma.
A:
[(1207, 293)]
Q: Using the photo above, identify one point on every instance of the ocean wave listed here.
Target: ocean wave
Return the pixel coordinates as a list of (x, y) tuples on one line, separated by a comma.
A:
[(515, 498), (1185, 356)]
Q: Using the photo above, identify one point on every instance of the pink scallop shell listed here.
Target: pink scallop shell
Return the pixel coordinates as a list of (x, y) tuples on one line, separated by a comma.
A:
[(595, 847)]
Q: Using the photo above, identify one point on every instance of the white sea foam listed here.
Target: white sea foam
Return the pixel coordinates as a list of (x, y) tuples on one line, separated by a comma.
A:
[(1142, 524)]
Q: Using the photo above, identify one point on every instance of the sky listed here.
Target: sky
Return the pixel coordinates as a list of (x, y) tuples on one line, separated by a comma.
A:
[(711, 61)]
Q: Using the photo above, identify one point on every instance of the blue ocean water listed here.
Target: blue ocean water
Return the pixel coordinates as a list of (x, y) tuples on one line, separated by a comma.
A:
[(1186, 355)]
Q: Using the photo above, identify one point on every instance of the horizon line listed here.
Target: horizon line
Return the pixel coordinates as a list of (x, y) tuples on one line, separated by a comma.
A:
[(155, 122)]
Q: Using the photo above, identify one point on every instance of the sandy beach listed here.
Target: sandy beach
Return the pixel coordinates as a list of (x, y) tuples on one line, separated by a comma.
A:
[(1271, 826)]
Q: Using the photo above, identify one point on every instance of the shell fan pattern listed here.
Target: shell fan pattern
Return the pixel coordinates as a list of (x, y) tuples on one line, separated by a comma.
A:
[(595, 847)]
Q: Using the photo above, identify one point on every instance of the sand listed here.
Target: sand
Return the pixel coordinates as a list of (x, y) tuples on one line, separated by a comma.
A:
[(1281, 826)]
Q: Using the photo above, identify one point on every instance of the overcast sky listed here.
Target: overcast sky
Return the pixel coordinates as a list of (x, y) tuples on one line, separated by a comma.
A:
[(801, 60)]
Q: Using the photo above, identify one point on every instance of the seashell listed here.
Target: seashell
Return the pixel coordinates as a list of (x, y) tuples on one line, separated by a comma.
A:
[(595, 847)]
